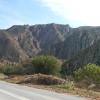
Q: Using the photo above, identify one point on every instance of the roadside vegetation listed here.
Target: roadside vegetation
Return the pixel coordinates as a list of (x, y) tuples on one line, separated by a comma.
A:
[(46, 65), (9, 69), (90, 73), (48, 71)]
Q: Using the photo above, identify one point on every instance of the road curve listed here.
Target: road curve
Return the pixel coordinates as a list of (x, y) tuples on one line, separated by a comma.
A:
[(9, 91)]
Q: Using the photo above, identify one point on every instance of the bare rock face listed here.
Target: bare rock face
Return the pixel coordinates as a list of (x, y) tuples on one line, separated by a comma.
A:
[(22, 41)]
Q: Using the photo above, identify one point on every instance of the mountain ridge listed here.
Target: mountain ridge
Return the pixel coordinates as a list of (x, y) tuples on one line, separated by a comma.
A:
[(59, 40)]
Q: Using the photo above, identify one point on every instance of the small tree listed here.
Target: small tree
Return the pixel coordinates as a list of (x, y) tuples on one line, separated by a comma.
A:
[(46, 65)]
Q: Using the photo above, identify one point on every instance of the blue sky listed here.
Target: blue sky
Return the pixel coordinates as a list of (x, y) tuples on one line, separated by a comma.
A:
[(73, 12)]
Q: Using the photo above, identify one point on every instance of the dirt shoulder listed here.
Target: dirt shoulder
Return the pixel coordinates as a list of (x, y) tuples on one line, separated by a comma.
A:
[(69, 87)]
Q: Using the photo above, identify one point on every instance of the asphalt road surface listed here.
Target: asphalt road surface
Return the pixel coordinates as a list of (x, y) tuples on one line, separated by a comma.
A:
[(10, 91)]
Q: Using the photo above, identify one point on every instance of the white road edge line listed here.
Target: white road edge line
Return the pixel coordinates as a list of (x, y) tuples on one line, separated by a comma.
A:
[(13, 95)]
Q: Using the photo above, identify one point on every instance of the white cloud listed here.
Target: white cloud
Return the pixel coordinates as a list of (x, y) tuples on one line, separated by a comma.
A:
[(78, 11)]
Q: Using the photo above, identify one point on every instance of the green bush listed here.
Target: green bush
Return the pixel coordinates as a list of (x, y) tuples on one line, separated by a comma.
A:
[(11, 69), (90, 72), (46, 65)]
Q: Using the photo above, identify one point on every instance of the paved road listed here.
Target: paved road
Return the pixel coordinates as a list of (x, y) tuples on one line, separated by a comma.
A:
[(10, 91)]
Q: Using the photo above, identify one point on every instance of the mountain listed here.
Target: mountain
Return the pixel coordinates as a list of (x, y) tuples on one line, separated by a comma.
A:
[(22, 41), (9, 48), (89, 55)]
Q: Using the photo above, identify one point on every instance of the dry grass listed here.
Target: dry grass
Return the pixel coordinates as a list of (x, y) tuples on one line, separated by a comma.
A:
[(2, 76), (37, 79)]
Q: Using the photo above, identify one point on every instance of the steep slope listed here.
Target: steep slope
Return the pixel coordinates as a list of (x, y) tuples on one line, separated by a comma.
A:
[(89, 55), (10, 49), (49, 35), (39, 39), (80, 38), (25, 39)]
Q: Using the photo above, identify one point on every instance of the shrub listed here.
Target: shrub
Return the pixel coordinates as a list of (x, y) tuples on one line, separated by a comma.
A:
[(46, 65), (11, 69), (90, 72)]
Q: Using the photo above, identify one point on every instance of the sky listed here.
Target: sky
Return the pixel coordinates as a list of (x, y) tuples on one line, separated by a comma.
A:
[(73, 12)]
